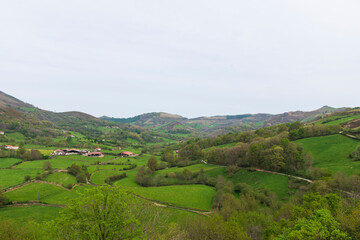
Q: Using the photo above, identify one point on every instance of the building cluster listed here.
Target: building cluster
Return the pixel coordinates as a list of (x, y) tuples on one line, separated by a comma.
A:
[(73, 151)]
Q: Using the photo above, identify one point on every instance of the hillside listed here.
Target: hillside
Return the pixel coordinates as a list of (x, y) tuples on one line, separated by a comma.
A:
[(220, 124)]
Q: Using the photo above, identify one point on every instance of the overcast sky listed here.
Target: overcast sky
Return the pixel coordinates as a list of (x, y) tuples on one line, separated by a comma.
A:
[(189, 57)]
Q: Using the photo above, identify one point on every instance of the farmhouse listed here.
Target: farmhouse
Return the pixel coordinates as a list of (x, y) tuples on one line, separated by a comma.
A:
[(58, 152), (127, 154), (95, 154), (9, 147), (97, 149)]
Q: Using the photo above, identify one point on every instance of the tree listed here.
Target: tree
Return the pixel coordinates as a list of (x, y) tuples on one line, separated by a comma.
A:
[(355, 155), (105, 212), (152, 163), (47, 166)]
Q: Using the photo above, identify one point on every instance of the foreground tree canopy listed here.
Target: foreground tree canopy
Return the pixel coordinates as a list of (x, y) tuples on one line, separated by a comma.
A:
[(105, 212)]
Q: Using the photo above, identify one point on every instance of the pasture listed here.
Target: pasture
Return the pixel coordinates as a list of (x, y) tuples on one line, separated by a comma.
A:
[(61, 178), (273, 182), (8, 162), (332, 152), (12, 177), (29, 213), (189, 196)]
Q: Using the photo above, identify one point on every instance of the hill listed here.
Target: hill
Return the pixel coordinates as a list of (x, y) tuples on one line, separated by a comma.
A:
[(219, 124)]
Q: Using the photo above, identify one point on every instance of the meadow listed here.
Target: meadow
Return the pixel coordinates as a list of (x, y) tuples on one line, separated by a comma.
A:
[(332, 152), (12, 177), (278, 184), (189, 196), (8, 162)]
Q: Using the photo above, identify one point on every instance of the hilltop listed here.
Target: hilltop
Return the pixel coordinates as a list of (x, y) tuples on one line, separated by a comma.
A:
[(218, 124)]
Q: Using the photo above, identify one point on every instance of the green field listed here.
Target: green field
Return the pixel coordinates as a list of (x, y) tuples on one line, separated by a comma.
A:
[(28, 213), (62, 178), (55, 163), (273, 182), (8, 162), (192, 168), (46, 193), (12, 177), (190, 196), (100, 176), (332, 152), (337, 120), (94, 168)]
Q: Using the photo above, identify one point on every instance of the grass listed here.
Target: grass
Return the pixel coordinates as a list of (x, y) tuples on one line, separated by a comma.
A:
[(274, 183), (337, 120), (192, 168), (23, 215), (46, 193), (61, 178), (190, 196), (94, 168), (332, 152), (100, 176), (12, 177), (55, 163), (8, 162), (15, 135)]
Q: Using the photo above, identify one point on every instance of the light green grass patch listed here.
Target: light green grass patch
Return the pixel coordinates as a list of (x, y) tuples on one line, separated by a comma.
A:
[(55, 163), (190, 196), (12, 177), (23, 215), (8, 162), (332, 152), (192, 168), (273, 182), (100, 176), (46, 193), (94, 168), (61, 178)]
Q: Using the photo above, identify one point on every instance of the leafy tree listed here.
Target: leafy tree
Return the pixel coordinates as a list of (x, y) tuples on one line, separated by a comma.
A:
[(47, 166), (152, 163), (105, 212), (320, 225), (355, 155)]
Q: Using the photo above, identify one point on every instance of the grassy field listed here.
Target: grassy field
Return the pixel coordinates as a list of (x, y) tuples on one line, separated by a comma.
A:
[(94, 168), (12, 177), (337, 120), (274, 183), (100, 176), (192, 168), (8, 162), (24, 214), (61, 178), (191, 196), (55, 163), (332, 152), (46, 193)]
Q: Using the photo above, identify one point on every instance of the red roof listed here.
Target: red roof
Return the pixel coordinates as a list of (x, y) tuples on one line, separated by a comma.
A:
[(127, 153)]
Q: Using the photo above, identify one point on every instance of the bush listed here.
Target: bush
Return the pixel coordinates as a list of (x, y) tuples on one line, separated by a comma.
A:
[(27, 178), (110, 180)]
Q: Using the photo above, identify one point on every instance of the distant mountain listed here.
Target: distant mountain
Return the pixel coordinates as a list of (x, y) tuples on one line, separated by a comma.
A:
[(219, 124), (11, 107)]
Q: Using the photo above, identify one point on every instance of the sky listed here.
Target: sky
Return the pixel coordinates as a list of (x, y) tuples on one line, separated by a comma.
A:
[(193, 58)]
